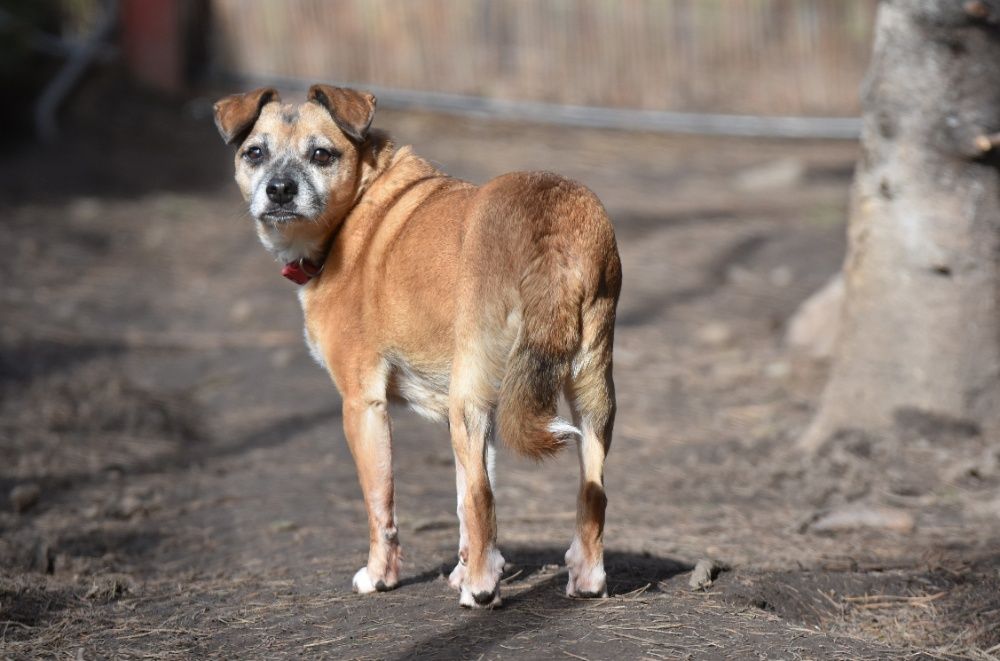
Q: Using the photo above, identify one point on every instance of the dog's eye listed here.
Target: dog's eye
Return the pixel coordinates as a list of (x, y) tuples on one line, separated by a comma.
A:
[(254, 154), (322, 156)]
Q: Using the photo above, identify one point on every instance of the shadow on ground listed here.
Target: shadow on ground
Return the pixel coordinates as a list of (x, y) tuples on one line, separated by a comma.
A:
[(528, 610)]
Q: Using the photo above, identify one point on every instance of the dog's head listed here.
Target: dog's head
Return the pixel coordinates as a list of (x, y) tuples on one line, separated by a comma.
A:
[(298, 163)]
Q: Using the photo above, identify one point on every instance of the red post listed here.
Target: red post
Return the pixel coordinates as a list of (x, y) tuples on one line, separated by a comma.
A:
[(151, 41)]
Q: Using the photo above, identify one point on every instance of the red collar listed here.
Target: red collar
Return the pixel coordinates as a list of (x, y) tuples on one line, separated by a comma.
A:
[(302, 270)]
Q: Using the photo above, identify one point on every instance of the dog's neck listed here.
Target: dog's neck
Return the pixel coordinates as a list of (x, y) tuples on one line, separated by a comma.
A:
[(310, 242), (377, 154)]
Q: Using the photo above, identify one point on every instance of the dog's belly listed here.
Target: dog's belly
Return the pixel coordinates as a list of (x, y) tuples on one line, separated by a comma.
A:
[(425, 390)]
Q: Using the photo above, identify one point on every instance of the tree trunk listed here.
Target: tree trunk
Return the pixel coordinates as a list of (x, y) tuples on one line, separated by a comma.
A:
[(920, 325)]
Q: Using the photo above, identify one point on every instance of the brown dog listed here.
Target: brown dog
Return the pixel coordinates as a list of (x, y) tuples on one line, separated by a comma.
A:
[(477, 305)]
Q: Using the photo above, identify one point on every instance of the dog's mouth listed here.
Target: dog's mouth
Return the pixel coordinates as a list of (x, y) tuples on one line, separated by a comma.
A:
[(279, 216)]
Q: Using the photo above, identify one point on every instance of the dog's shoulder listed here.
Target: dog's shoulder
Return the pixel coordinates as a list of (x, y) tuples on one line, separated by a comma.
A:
[(407, 166)]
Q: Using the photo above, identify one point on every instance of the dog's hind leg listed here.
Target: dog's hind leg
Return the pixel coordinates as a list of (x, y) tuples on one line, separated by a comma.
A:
[(366, 424), (457, 575), (477, 575), (591, 394)]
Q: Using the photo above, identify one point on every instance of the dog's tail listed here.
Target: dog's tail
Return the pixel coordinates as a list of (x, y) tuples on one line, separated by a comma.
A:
[(541, 358)]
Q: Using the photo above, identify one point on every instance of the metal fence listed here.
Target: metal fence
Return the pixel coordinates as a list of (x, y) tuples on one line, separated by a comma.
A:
[(656, 58)]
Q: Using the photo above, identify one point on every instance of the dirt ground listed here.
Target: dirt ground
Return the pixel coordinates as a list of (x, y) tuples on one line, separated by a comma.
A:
[(174, 481)]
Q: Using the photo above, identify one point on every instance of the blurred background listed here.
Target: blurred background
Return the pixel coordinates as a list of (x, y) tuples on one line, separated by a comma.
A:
[(769, 57), (173, 475)]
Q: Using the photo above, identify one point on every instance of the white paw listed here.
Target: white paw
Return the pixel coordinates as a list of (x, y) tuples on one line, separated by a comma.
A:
[(457, 576), (485, 592), (586, 580), (591, 585), (482, 599), (363, 583)]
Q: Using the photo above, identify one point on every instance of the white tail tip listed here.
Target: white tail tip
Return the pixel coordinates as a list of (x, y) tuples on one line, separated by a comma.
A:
[(564, 431)]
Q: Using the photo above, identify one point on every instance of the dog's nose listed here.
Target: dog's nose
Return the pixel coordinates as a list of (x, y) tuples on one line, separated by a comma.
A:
[(281, 190)]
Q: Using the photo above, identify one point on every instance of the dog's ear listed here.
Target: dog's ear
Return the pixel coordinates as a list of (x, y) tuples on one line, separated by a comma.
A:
[(235, 115), (352, 110)]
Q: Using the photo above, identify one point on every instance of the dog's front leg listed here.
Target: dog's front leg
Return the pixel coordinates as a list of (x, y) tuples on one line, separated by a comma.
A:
[(366, 424), (477, 575)]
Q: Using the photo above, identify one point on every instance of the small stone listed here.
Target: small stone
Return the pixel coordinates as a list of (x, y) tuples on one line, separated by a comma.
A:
[(128, 506), (704, 574), (715, 334), (25, 496)]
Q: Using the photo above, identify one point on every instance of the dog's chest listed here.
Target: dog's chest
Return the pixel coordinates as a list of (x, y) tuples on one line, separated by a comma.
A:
[(423, 387), (425, 390), (311, 344)]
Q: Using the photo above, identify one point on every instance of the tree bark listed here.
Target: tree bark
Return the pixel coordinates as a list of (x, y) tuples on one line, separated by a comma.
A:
[(920, 325)]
